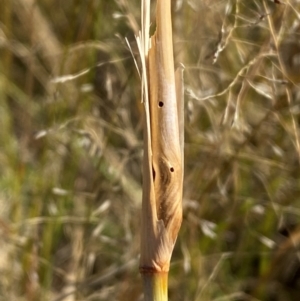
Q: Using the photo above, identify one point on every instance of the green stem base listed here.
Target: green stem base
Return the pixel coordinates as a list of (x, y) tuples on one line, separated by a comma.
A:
[(155, 286)]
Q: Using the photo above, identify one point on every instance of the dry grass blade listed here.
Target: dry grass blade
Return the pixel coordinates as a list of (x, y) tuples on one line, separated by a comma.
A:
[(163, 153)]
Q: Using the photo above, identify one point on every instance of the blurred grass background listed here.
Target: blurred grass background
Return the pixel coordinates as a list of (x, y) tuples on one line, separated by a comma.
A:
[(71, 150)]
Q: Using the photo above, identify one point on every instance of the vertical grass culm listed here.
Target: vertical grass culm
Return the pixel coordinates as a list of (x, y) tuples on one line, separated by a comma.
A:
[(163, 151)]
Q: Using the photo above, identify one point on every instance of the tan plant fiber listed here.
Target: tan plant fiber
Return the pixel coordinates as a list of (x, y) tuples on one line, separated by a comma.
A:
[(163, 144)]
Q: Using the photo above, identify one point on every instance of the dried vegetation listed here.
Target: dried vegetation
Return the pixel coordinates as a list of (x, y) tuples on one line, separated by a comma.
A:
[(71, 150)]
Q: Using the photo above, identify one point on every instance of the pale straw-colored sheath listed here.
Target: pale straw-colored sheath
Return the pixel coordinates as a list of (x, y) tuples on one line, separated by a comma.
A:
[(163, 155)]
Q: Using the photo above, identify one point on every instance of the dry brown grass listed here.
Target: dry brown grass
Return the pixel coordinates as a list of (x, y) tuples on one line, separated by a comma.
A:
[(71, 151)]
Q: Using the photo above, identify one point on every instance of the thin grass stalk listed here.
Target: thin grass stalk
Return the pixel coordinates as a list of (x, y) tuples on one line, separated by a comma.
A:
[(163, 152)]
